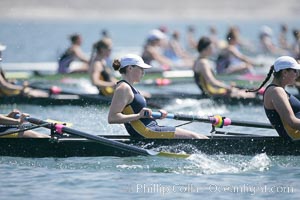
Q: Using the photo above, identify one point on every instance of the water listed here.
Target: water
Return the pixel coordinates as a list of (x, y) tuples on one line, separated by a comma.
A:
[(44, 41), (215, 177)]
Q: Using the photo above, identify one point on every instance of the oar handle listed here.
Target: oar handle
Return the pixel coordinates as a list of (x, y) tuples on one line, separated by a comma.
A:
[(158, 115), (58, 127)]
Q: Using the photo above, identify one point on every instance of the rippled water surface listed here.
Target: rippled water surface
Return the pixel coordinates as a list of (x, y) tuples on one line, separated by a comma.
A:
[(217, 176)]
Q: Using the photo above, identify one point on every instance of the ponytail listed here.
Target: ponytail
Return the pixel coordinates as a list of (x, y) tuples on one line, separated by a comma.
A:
[(116, 64), (265, 81)]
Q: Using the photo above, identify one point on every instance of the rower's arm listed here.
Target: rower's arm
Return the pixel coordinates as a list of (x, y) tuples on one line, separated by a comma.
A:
[(210, 78), (97, 69), (159, 57), (240, 56), (80, 55), (122, 97), (8, 121), (8, 86)]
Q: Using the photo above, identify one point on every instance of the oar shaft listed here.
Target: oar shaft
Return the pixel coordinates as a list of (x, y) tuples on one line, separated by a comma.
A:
[(213, 120), (251, 124), (185, 117), (107, 142), (18, 130), (102, 140)]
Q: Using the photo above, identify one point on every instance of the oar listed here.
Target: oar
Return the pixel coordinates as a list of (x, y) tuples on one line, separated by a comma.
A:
[(68, 124), (18, 130), (115, 144), (215, 120), (234, 133), (90, 98)]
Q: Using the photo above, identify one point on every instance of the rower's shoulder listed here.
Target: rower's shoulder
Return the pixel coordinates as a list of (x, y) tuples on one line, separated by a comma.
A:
[(275, 92), (199, 61), (275, 88), (122, 85)]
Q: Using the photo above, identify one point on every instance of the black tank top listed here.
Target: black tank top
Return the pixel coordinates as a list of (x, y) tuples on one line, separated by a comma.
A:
[(276, 121), (135, 107)]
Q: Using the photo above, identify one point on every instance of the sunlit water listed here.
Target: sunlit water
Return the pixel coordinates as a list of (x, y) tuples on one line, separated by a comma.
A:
[(223, 177)]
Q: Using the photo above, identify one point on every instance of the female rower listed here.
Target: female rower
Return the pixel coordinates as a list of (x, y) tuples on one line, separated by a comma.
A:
[(9, 121), (176, 52), (295, 50), (128, 106), (205, 78), (231, 60), (282, 108), (71, 54), (152, 51), (99, 71), (8, 88)]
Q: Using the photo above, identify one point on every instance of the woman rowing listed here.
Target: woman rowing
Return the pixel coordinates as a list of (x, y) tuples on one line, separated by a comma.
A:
[(295, 50), (282, 108), (205, 78), (176, 52), (230, 59), (153, 50), (73, 53), (99, 71), (128, 106), (9, 122), (267, 44), (8, 88)]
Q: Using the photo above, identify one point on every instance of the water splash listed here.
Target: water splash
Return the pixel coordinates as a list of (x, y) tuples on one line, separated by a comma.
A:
[(208, 165), (260, 162), (198, 106), (124, 166), (204, 164)]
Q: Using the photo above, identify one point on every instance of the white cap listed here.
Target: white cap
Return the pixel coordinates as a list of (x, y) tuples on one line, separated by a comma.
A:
[(2, 47), (132, 59), (156, 34), (286, 62), (266, 30)]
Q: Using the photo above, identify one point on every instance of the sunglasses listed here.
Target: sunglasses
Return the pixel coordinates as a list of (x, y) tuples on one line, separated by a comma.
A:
[(294, 70)]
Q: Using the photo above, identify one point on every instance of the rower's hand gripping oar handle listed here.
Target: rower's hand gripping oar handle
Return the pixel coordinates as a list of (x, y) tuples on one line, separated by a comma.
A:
[(58, 128), (216, 121)]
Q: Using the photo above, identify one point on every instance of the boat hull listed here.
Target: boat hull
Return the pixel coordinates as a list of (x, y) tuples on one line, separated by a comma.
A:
[(66, 99), (156, 101), (78, 147)]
